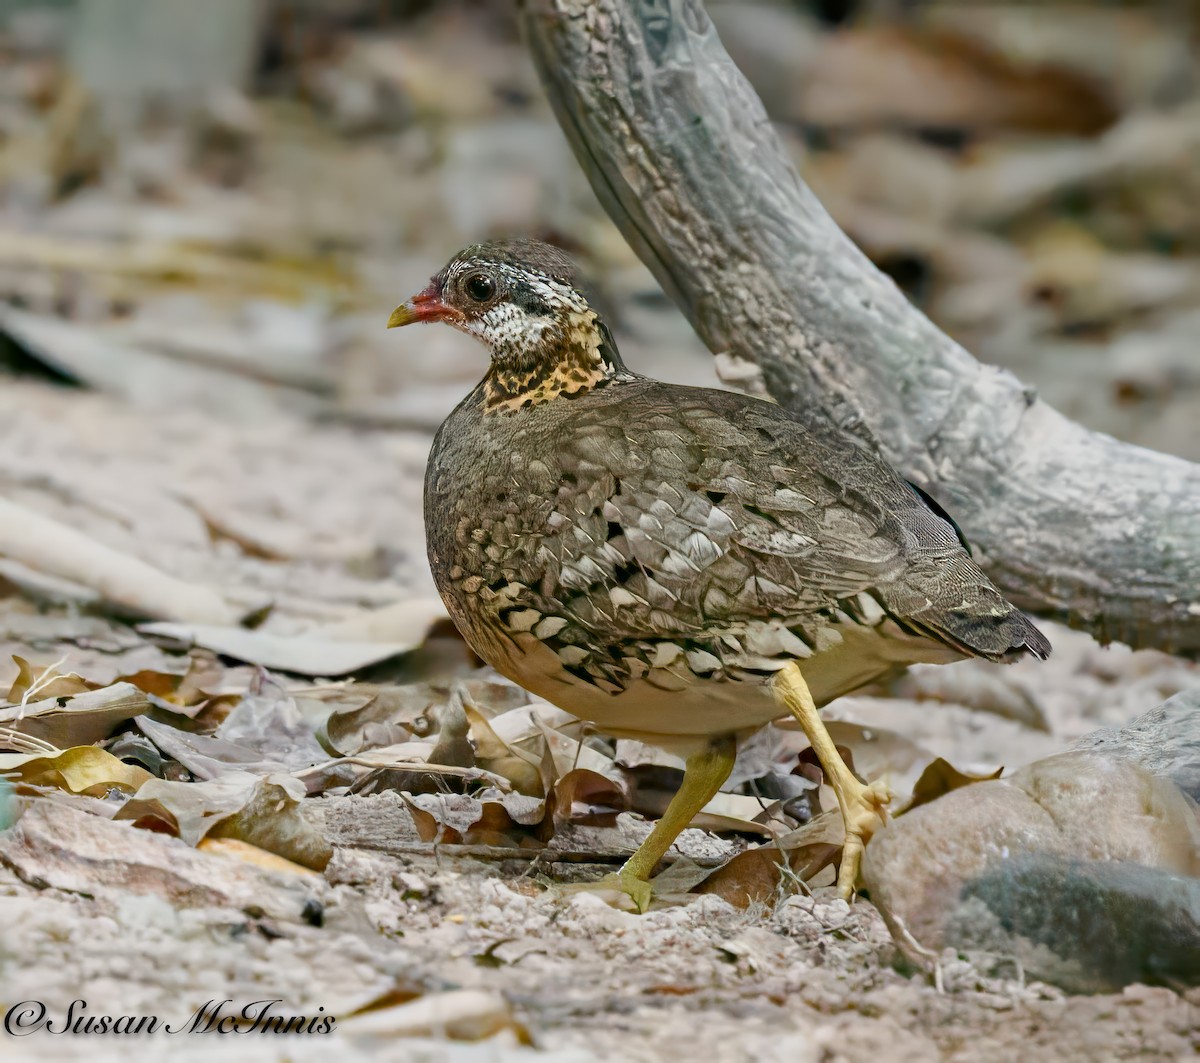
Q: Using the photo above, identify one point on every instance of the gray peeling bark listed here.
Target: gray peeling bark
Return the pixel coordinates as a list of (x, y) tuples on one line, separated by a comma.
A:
[(1073, 525)]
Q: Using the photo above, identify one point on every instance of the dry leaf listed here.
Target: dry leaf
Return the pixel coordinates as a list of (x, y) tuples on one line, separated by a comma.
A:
[(45, 683), (251, 854), (495, 755), (271, 723), (406, 623), (77, 720), (270, 820), (204, 679), (189, 810), (459, 1014), (207, 756), (653, 786), (311, 654), (429, 827), (940, 778), (122, 579), (81, 770), (750, 877), (259, 812), (388, 718), (583, 796)]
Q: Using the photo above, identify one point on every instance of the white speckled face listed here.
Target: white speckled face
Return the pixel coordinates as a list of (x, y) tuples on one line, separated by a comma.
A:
[(519, 298), (523, 316)]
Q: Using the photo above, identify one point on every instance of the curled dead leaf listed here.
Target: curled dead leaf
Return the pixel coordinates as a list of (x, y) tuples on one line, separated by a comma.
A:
[(587, 797), (44, 683), (387, 717)]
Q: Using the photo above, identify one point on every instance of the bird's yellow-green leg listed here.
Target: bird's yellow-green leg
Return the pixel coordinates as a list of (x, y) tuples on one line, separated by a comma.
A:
[(703, 774), (863, 807)]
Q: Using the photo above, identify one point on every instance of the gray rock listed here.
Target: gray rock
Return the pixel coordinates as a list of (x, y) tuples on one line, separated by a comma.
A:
[(1088, 926), (1080, 866), (1165, 741)]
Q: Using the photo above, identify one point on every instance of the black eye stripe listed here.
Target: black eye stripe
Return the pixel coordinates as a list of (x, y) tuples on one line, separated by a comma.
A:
[(531, 301)]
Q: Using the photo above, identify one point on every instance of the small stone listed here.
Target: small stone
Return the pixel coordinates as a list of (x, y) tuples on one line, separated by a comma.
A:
[(1079, 865), (411, 885)]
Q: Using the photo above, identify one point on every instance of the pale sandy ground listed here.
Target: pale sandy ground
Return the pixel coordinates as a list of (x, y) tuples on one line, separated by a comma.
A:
[(300, 500), (813, 980)]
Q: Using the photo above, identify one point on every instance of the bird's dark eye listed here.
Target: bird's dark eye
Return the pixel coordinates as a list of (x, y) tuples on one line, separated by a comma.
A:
[(480, 287)]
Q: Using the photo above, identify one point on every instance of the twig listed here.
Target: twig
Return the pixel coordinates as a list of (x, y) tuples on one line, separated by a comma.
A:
[(23, 743), (47, 676)]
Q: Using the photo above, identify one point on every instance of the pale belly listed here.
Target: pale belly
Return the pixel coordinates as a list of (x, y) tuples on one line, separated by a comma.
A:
[(670, 711), (679, 711)]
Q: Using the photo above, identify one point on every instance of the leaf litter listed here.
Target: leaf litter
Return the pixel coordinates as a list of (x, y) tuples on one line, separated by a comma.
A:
[(213, 750), (108, 313)]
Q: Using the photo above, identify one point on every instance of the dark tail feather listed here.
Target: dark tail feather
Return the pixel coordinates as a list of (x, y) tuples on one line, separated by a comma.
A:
[(1005, 638), (1025, 638)]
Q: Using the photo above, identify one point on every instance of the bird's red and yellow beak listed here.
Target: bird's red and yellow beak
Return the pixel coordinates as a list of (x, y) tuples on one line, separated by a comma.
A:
[(426, 305)]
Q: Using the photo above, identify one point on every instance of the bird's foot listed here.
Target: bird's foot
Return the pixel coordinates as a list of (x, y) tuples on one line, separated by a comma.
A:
[(864, 810), (622, 889)]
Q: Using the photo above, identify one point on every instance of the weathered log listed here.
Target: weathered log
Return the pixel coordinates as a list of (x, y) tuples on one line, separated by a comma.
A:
[(1072, 524)]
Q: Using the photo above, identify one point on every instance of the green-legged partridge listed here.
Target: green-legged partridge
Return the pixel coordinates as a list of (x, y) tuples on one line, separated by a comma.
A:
[(677, 564)]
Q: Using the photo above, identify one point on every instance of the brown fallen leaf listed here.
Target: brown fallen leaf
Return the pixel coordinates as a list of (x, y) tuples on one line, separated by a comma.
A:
[(587, 797), (44, 683), (939, 778), (429, 827), (750, 877), (271, 821), (204, 679), (260, 812), (387, 717), (758, 874), (75, 720), (188, 810), (494, 754)]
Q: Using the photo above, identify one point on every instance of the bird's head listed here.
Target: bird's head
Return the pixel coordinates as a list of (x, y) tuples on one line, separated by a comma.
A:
[(522, 300)]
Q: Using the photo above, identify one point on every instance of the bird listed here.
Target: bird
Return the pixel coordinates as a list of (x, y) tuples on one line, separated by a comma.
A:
[(678, 565)]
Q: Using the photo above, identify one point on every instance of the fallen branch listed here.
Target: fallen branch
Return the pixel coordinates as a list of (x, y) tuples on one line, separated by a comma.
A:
[(504, 852), (1072, 524)]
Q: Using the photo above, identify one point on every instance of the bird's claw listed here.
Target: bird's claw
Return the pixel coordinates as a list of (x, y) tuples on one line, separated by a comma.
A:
[(621, 889), (864, 810)]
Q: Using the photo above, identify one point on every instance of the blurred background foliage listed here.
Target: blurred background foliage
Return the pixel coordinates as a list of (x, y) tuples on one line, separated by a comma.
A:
[(216, 204)]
